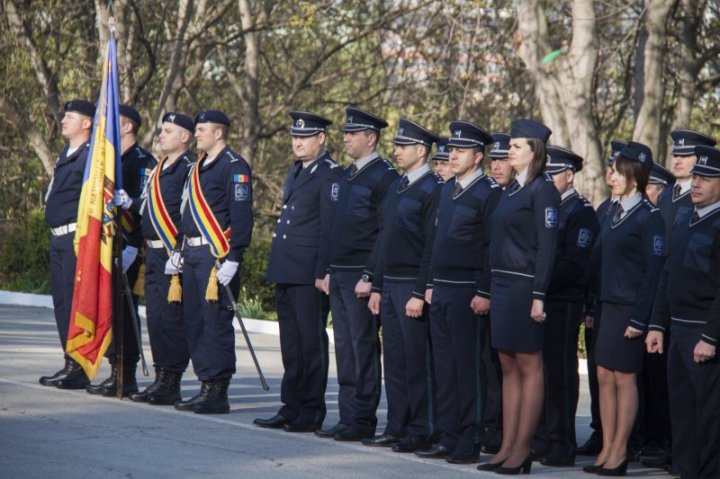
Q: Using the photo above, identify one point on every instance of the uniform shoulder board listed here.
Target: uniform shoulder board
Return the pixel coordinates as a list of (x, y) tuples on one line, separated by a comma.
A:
[(491, 181), (548, 178), (331, 163), (585, 202), (188, 159), (652, 207), (438, 178), (139, 151), (388, 164)]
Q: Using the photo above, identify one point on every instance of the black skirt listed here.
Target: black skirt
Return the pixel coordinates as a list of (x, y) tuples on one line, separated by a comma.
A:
[(512, 328), (613, 350)]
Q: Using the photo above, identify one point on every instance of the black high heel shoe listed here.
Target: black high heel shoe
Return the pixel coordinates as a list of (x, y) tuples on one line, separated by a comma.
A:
[(621, 470), (514, 471), (593, 468), (489, 466)]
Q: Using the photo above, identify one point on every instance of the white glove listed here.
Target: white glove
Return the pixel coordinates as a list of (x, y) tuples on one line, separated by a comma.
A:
[(174, 264), (122, 199), (129, 253), (227, 271)]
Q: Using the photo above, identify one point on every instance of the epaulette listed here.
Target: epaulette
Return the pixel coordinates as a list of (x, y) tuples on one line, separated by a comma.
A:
[(139, 152), (388, 164), (331, 163), (492, 182), (548, 178), (652, 207), (585, 201)]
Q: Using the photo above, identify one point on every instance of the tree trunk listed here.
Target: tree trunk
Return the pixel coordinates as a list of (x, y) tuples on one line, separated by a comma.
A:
[(34, 137), (251, 86), (690, 65)]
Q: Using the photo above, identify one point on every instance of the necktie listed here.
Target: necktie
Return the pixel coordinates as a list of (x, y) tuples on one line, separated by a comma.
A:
[(695, 217), (404, 182), (298, 168), (618, 213), (514, 186), (676, 191), (353, 169), (458, 188)]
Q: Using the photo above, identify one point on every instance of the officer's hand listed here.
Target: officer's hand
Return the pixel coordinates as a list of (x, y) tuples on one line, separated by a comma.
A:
[(428, 295), (414, 307), (703, 352), (227, 271), (537, 311), (480, 305), (374, 302), (174, 264), (632, 333), (122, 199), (363, 289), (323, 284), (654, 342), (129, 253), (589, 322)]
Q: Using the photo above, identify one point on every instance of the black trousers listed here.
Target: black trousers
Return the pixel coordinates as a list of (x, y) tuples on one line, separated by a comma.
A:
[(130, 343), (407, 357), (595, 422), (302, 317), (562, 381), (492, 410), (458, 337), (357, 352), (62, 281), (655, 408), (165, 323), (209, 326), (694, 407)]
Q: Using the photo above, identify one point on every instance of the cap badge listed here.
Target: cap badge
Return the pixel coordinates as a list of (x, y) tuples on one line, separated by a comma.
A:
[(496, 145), (350, 119), (171, 118), (458, 133), (300, 123), (702, 160), (400, 131), (642, 157), (681, 142)]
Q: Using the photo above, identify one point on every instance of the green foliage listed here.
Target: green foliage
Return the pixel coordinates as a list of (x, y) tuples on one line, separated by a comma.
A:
[(24, 264), (251, 306), (256, 292)]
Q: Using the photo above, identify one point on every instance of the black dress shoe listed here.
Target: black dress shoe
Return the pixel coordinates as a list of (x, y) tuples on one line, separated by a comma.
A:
[(353, 434), (383, 440), (659, 462), (514, 471), (300, 426), (275, 422), (553, 460), (621, 470), (438, 451), (593, 468), (412, 444), (463, 458), (329, 433), (490, 466), (592, 446)]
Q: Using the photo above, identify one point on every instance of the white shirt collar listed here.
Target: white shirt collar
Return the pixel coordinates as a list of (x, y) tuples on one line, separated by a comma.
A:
[(705, 210), (522, 177), (685, 185), (469, 179), (70, 151), (415, 175), (570, 191), (629, 203), (361, 162)]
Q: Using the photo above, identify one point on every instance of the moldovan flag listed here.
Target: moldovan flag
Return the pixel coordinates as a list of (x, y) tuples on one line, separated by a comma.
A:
[(90, 329)]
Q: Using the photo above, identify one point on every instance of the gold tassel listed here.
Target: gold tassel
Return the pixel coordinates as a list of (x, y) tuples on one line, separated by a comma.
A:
[(211, 293), (175, 292), (139, 288)]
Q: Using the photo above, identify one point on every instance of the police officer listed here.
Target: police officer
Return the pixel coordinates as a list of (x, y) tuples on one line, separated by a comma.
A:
[(137, 163), (441, 157), (61, 205), (577, 230), (688, 303), (160, 210), (298, 265), (672, 202), (401, 274), (594, 443), (217, 223), (459, 282), (357, 221), (660, 178), (501, 169)]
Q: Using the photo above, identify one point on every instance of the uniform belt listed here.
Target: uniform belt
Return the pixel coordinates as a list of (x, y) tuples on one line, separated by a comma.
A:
[(64, 229), (156, 244), (196, 241)]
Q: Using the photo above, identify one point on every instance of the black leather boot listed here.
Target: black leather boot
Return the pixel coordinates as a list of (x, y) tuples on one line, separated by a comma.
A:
[(75, 379), (168, 390), (108, 387), (61, 374), (188, 404), (143, 396), (216, 401)]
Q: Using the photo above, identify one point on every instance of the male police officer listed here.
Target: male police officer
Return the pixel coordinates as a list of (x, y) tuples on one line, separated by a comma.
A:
[(357, 222), (500, 168), (61, 205), (660, 178), (441, 157), (688, 300), (459, 284), (578, 228), (298, 264), (137, 164), (217, 222), (160, 210), (401, 273)]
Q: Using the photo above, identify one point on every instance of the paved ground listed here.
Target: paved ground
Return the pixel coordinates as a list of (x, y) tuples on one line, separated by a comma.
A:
[(48, 433)]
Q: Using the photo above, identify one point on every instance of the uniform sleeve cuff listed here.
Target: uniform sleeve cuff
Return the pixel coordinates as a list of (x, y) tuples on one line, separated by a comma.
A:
[(538, 295), (482, 294), (656, 327), (417, 295), (709, 340), (637, 324)]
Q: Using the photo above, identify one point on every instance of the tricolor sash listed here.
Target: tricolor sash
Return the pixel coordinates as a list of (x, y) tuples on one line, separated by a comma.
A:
[(203, 216), (160, 218)]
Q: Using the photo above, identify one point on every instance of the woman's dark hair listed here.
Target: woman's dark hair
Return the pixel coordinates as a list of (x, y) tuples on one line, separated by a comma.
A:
[(537, 165), (632, 170)]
